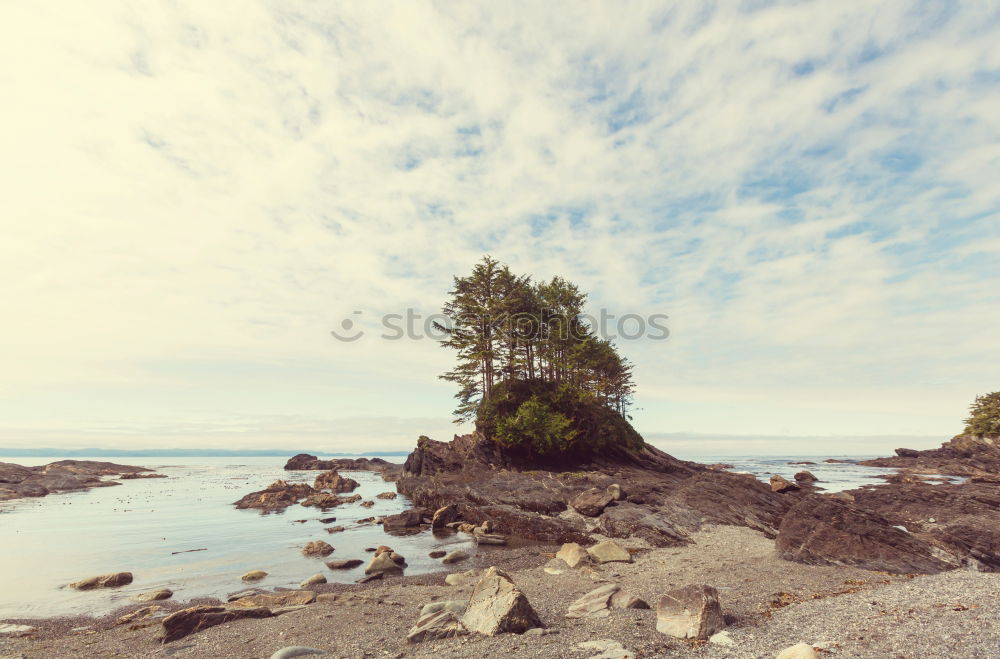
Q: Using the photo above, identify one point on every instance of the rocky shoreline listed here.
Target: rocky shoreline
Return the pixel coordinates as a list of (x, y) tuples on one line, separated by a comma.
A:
[(18, 482), (638, 554)]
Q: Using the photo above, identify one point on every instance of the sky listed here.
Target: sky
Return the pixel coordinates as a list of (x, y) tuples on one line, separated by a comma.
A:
[(195, 194)]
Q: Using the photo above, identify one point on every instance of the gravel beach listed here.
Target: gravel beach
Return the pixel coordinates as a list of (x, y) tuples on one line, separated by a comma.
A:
[(769, 604)]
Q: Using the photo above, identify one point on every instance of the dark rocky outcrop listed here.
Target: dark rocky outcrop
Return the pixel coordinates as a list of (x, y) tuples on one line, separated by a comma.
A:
[(62, 476), (962, 520), (197, 618), (667, 498), (276, 496), (306, 462), (405, 521), (963, 455), (822, 530), (332, 480)]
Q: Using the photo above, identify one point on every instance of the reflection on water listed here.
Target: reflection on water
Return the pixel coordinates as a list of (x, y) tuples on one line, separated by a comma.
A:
[(48, 542)]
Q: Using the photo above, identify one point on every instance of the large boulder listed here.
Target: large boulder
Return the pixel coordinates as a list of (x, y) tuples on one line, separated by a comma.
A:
[(332, 480), (197, 618), (805, 477), (497, 605), (276, 496), (113, 580), (826, 531), (690, 612), (592, 502)]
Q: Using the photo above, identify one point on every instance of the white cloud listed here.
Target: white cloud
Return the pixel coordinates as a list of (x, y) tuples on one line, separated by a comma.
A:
[(198, 192)]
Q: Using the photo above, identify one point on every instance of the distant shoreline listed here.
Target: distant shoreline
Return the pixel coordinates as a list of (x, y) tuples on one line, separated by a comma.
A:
[(177, 453)]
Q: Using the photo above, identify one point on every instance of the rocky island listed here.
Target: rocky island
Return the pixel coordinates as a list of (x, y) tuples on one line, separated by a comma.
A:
[(63, 476)]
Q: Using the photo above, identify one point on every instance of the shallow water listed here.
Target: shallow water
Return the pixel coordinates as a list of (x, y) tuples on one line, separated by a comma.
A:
[(48, 542), (833, 477)]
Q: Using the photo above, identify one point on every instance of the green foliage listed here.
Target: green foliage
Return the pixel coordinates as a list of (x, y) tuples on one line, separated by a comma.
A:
[(592, 426), (984, 416), (536, 427)]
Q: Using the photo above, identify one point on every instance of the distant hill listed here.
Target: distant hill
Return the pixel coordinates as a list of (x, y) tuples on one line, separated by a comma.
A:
[(174, 453)]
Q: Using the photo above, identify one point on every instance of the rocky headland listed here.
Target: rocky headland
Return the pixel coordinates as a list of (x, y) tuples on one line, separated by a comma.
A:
[(17, 481)]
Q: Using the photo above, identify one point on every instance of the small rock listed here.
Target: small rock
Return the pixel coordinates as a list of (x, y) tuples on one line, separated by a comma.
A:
[(444, 517), (272, 600), (438, 554), (607, 649), (369, 577), (254, 575), (444, 623), (455, 606), (456, 556), (626, 600), (489, 538), (555, 567), (386, 495), (609, 551), (798, 651), (344, 563), (805, 477), (690, 612), (139, 614), (722, 638), (461, 578), (591, 502), (497, 605), (367, 504), (782, 484), (154, 595), (313, 580), (595, 604), (335, 529), (573, 554), (540, 631), (383, 563), (327, 520), (295, 651), (317, 548), (113, 580), (615, 492)]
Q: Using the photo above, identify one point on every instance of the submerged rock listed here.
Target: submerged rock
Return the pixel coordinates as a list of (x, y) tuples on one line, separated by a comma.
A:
[(113, 580), (317, 548), (154, 595), (332, 480), (254, 575), (276, 496), (344, 563)]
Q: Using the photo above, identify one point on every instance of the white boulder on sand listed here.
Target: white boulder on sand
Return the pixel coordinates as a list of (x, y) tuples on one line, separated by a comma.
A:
[(690, 612), (497, 606)]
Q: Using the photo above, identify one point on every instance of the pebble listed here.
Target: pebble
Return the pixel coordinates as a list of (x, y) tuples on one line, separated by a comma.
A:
[(295, 651)]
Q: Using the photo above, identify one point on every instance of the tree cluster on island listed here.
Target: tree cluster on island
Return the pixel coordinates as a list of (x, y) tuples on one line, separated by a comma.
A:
[(984, 416), (531, 373)]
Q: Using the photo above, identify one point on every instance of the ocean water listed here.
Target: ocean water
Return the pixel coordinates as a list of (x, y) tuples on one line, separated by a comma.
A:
[(48, 542), (149, 527)]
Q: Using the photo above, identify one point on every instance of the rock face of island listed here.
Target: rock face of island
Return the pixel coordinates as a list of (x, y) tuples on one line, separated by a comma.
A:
[(17, 481), (643, 492)]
